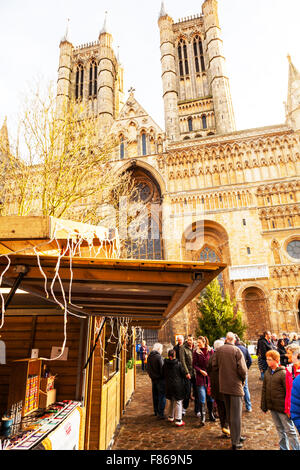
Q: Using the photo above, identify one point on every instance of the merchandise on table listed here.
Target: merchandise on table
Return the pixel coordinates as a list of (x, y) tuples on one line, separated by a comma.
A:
[(32, 394), (34, 429)]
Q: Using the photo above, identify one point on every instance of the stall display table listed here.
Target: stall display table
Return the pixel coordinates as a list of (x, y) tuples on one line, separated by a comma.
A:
[(59, 428)]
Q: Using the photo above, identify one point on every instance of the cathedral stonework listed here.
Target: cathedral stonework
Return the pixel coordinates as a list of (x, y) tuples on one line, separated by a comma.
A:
[(238, 189)]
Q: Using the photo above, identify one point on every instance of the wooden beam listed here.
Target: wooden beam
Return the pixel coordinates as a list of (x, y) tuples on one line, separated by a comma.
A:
[(124, 307), (29, 228), (97, 274), (25, 228), (119, 297)]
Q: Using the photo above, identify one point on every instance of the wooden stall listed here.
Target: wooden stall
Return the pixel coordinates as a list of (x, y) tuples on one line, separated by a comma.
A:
[(99, 370)]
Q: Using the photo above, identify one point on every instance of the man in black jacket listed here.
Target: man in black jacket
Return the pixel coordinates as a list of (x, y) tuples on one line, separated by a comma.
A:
[(186, 359), (178, 346), (264, 345), (154, 369)]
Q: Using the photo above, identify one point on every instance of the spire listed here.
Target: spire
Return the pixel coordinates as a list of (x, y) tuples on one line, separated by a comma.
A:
[(293, 98), (162, 10), (4, 140), (66, 37), (104, 28), (105, 37), (293, 72)]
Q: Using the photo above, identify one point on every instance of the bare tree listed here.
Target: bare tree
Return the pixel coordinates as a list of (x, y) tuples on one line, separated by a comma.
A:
[(57, 166)]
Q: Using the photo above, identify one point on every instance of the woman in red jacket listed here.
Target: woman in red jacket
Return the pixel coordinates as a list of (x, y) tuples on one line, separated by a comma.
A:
[(201, 356), (292, 371)]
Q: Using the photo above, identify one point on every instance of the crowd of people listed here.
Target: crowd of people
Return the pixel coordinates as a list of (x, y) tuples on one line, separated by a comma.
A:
[(215, 380)]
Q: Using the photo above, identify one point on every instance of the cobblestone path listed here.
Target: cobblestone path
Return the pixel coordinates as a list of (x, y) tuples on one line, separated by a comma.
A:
[(141, 430)]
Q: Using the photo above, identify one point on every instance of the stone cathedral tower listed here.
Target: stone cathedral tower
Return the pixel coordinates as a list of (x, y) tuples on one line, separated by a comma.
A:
[(246, 182), (92, 74), (196, 91)]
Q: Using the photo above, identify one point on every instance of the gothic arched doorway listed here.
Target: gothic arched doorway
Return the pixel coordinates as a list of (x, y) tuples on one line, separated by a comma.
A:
[(145, 226), (256, 308), (204, 240), (208, 241)]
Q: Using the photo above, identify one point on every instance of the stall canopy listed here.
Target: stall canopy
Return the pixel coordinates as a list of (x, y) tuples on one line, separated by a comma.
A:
[(56, 276)]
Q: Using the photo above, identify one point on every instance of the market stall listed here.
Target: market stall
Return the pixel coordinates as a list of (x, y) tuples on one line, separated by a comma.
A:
[(70, 276)]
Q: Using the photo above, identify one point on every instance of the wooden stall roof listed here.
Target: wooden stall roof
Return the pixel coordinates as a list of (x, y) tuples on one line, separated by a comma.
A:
[(149, 292), (19, 233)]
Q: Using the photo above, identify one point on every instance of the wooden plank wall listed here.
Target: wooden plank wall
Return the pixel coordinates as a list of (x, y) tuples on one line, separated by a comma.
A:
[(129, 385), (110, 411), (23, 333)]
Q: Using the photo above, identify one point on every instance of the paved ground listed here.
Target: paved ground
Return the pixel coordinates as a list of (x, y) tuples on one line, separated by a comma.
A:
[(141, 430)]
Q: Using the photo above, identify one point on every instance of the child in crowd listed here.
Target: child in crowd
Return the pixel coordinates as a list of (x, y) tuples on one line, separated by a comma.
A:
[(273, 399), (174, 375)]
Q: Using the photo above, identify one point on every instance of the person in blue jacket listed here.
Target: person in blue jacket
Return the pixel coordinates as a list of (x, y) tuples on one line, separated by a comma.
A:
[(248, 360), (295, 403)]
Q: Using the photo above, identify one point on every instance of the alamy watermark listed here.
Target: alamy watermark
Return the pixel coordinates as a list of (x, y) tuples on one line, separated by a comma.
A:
[(138, 221)]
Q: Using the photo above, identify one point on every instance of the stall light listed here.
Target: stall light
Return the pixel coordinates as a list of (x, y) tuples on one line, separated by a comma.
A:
[(6, 290)]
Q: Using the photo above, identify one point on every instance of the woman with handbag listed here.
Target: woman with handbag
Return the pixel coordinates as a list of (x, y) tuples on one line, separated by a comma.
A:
[(201, 356)]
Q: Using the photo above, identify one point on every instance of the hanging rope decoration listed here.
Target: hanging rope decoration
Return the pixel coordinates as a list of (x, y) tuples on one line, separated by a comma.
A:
[(2, 296), (125, 335), (109, 246)]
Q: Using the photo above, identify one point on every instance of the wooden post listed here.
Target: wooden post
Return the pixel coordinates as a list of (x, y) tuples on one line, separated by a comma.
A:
[(32, 337), (87, 394), (122, 370), (134, 354), (94, 391)]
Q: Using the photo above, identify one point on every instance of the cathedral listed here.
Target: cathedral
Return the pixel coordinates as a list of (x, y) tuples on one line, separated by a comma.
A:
[(220, 194)]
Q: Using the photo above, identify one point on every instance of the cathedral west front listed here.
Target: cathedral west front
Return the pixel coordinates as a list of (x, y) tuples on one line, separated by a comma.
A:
[(223, 195)]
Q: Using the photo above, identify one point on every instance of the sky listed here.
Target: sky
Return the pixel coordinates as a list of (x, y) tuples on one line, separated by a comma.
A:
[(257, 35)]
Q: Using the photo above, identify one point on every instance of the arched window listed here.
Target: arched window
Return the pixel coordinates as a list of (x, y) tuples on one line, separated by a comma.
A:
[(145, 231), (122, 148), (180, 61), (198, 54), (93, 79), (208, 255), (144, 143), (79, 82), (204, 122), (183, 58), (190, 123)]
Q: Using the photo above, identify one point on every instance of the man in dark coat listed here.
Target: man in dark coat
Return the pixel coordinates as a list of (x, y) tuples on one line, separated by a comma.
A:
[(232, 375), (186, 359), (174, 375), (213, 373), (263, 346), (178, 346), (285, 339), (154, 369)]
